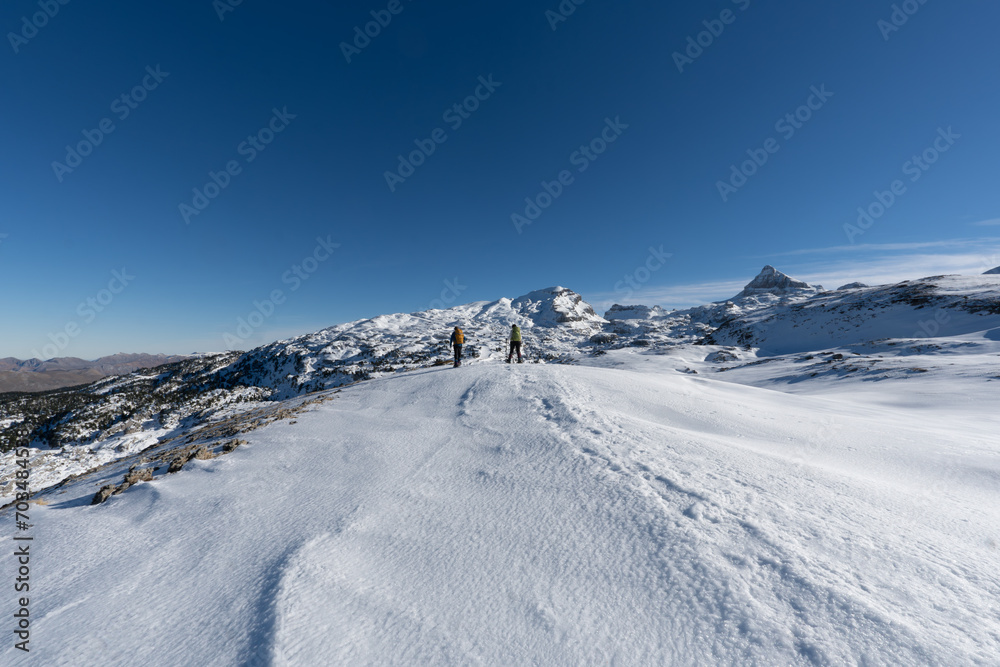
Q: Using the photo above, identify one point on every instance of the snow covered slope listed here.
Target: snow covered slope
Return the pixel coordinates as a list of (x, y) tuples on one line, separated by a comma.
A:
[(940, 305), (540, 514), (73, 431)]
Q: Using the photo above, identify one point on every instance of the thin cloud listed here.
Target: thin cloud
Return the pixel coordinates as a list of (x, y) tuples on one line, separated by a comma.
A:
[(987, 223), (887, 247)]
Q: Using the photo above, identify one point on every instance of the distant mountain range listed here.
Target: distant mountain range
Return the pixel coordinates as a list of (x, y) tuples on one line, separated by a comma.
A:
[(37, 375)]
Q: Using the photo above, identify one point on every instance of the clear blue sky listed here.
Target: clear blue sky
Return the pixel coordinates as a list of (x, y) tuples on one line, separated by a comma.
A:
[(218, 81)]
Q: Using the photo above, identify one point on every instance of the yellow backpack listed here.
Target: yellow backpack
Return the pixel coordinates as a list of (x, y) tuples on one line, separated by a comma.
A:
[(458, 337)]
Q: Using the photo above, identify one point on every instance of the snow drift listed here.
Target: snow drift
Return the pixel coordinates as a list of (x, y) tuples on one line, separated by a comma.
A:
[(540, 514)]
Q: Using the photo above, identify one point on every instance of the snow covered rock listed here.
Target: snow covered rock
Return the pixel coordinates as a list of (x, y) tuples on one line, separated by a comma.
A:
[(556, 305), (852, 286)]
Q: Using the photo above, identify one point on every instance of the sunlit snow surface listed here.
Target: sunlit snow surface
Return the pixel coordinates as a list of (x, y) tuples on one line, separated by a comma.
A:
[(818, 485), (626, 512)]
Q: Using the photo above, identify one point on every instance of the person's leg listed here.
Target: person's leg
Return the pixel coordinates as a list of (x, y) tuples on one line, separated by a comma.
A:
[(510, 351), (518, 351)]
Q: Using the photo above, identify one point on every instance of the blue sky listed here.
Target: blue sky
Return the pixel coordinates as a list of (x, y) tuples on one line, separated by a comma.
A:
[(258, 105)]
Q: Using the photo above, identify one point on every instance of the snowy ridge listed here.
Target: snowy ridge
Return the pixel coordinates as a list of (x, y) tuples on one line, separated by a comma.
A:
[(71, 432), (930, 307)]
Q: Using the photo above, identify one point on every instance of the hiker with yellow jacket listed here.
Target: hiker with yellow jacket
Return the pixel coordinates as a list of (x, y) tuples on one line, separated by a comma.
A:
[(457, 341)]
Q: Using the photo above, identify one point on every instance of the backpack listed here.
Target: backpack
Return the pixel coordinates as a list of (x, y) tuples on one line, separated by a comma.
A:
[(458, 337)]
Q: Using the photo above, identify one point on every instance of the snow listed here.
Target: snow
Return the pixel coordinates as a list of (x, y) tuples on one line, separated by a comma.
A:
[(791, 477), (930, 307), (620, 512), (779, 318)]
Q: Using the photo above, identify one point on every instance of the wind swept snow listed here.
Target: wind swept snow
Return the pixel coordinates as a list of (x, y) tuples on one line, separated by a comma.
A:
[(541, 514)]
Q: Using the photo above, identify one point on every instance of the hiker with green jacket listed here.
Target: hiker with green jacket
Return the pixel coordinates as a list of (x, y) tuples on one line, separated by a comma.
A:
[(515, 343)]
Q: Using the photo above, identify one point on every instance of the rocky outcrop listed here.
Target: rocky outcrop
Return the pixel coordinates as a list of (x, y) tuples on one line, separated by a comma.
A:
[(134, 476)]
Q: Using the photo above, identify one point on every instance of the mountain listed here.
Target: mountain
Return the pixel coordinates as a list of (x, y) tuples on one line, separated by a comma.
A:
[(556, 305), (114, 364), (772, 281), (118, 416), (10, 364), (992, 271), (929, 307), (665, 503), (115, 417), (37, 375), (786, 477), (655, 326)]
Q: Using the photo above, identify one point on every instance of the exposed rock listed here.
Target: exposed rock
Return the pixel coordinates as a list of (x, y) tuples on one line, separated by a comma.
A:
[(721, 356), (603, 338), (185, 455), (134, 477), (103, 494), (232, 445)]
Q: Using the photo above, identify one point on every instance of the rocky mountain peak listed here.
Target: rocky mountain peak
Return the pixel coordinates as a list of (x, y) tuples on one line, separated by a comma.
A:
[(772, 281)]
